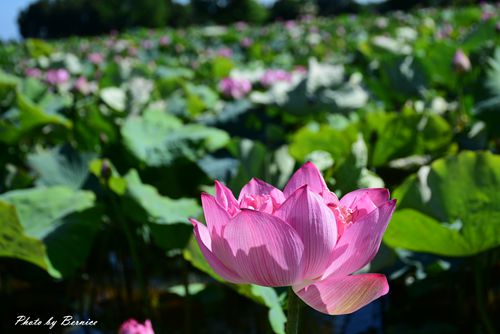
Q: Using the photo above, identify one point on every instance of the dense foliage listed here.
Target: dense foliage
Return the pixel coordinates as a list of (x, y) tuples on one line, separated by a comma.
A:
[(64, 18), (107, 143)]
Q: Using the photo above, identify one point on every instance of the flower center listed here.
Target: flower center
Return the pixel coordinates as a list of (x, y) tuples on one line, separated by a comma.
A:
[(264, 203), (343, 215), (344, 218)]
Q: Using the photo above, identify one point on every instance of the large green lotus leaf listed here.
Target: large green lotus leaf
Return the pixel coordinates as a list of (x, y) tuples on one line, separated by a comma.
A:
[(69, 244), (454, 207), (157, 138), (479, 36), (8, 84), (493, 81), (436, 59), (160, 209), (353, 173), (60, 166), (14, 243), (40, 210), (401, 78), (221, 67), (489, 112), (8, 80), (114, 97), (33, 88), (322, 75), (52, 103), (93, 128), (26, 117), (58, 217), (323, 138), (38, 48), (416, 231), (408, 134), (199, 98), (254, 160), (262, 295), (164, 72)]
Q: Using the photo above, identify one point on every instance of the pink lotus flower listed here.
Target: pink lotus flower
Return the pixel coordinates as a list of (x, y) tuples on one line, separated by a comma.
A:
[(33, 72), (235, 88), (290, 24), (147, 44), (241, 25), (303, 236), (246, 42), (486, 15), (131, 326), (85, 87), (95, 58), (164, 41), (461, 61), (271, 77), (300, 69), (57, 76), (225, 52)]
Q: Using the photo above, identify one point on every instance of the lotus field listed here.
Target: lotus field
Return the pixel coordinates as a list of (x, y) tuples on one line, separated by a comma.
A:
[(107, 144)]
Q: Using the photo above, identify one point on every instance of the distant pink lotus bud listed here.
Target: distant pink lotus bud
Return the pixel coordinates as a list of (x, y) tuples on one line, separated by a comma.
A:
[(95, 58), (235, 88), (290, 24), (164, 40), (85, 87), (246, 42), (497, 26), (33, 72), (461, 62), (132, 51), (271, 77), (300, 69), (307, 18), (448, 29), (57, 76), (240, 25), (303, 236), (486, 15), (225, 52), (131, 326), (81, 84), (147, 44)]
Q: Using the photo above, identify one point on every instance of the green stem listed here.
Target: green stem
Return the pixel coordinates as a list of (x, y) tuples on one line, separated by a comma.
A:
[(132, 246), (294, 305), (187, 298), (480, 302)]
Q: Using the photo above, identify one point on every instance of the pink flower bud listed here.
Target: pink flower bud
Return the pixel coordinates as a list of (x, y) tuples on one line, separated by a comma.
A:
[(95, 58), (235, 88), (131, 326), (461, 62), (271, 77), (57, 76), (33, 72)]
